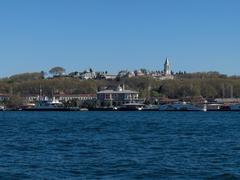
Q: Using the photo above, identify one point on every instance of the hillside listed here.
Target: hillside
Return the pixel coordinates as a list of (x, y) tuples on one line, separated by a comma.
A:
[(209, 85)]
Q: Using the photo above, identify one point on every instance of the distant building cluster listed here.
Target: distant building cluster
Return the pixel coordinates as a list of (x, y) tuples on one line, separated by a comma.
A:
[(164, 74), (114, 96)]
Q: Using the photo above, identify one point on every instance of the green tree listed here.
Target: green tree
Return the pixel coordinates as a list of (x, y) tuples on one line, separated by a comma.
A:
[(57, 71)]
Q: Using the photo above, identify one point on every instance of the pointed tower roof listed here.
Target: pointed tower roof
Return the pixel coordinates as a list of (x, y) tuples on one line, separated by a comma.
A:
[(167, 62)]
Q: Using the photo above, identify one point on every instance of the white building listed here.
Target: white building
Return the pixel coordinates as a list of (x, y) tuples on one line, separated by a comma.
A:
[(117, 97)]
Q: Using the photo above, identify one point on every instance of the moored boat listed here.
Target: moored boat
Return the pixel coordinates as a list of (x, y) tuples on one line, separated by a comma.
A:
[(151, 108), (182, 106), (45, 105), (131, 107), (2, 108), (234, 107), (103, 109)]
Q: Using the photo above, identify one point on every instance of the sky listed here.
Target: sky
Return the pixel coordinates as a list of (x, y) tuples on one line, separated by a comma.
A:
[(196, 35)]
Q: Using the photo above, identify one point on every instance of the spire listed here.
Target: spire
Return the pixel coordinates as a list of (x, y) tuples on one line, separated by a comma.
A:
[(167, 67), (167, 62)]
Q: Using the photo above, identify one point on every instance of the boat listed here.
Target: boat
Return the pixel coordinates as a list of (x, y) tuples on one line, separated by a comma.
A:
[(220, 107), (83, 109), (2, 108), (103, 109), (234, 107), (181, 106), (214, 107), (46, 105), (151, 108), (131, 107)]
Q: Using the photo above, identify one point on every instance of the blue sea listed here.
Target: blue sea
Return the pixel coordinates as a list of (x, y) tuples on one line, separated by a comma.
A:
[(120, 145)]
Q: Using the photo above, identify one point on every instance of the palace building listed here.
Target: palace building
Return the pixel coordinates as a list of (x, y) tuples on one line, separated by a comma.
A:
[(117, 97)]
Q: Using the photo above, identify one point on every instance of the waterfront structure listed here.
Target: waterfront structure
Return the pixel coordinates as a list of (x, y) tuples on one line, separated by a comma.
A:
[(227, 100), (61, 97), (79, 97), (31, 98), (117, 97), (4, 97)]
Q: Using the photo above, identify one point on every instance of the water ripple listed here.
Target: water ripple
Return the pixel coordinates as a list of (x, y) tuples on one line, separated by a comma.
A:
[(119, 145)]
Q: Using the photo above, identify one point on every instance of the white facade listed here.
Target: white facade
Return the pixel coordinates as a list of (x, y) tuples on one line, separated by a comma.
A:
[(119, 96)]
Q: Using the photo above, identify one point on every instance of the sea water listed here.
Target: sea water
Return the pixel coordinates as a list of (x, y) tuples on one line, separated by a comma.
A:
[(119, 145)]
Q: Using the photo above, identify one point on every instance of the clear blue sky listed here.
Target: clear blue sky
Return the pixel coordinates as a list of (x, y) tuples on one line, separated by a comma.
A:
[(197, 35)]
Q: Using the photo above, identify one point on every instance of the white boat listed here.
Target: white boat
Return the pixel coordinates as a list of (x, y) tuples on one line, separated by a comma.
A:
[(46, 105), (181, 106), (131, 107), (151, 108), (2, 108)]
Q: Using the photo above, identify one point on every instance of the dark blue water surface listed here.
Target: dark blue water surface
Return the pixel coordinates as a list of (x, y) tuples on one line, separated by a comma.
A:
[(119, 145)]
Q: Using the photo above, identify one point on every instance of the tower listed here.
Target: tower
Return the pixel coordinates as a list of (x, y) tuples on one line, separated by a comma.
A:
[(167, 67)]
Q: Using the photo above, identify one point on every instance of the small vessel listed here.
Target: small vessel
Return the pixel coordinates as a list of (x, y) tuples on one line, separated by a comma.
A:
[(181, 106)]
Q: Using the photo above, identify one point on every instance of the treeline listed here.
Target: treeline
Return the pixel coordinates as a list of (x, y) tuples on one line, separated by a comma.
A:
[(209, 85)]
